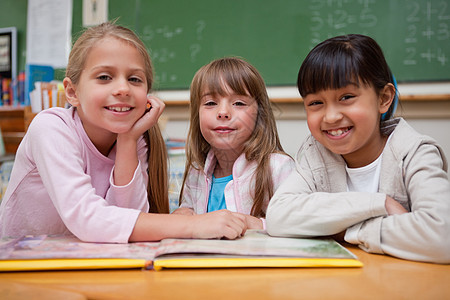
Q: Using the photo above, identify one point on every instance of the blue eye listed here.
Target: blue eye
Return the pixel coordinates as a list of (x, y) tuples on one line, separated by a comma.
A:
[(210, 103), (135, 79), (103, 77)]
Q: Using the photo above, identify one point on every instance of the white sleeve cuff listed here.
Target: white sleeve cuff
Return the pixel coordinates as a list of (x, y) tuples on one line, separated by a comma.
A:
[(111, 177), (351, 234), (263, 220)]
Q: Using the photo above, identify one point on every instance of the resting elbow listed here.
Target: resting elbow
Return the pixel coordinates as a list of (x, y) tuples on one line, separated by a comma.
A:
[(440, 252), (275, 226), (436, 243)]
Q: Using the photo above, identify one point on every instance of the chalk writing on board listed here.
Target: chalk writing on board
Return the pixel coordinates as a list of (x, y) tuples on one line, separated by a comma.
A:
[(195, 48), (422, 28), (169, 36), (424, 25), (200, 27), (338, 17), (165, 31), (275, 36)]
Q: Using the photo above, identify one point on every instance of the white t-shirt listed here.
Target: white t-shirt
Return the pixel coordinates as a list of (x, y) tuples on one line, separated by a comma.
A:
[(364, 179)]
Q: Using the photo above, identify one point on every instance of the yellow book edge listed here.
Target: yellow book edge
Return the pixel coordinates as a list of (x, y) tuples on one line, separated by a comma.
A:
[(72, 264), (159, 264), (229, 262)]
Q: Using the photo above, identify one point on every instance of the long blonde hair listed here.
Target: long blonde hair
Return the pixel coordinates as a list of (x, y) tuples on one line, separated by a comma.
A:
[(157, 153), (243, 79)]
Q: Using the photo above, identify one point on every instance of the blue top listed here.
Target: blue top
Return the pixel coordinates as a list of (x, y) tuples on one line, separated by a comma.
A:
[(216, 199)]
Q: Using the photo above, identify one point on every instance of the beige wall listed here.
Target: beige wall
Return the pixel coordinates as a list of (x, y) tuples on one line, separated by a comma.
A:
[(431, 117), (293, 129)]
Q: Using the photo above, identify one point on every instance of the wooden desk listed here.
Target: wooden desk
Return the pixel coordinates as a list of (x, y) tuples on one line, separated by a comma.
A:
[(382, 277)]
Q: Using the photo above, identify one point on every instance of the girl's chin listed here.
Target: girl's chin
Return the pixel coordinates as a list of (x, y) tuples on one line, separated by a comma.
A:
[(121, 130), (340, 150)]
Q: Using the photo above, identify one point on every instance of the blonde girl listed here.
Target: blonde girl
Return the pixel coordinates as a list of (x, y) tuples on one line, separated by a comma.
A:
[(234, 157), (363, 175), (95, 170)]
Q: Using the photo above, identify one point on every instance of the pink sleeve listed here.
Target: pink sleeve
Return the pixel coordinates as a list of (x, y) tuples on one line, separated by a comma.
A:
[(63, 164), (191, 180), (131, 194)]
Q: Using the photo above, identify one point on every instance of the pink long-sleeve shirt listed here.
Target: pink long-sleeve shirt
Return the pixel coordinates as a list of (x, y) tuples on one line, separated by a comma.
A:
[(62, 184)]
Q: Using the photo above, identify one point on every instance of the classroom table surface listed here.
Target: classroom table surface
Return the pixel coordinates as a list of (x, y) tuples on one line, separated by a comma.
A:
[(381, 277)]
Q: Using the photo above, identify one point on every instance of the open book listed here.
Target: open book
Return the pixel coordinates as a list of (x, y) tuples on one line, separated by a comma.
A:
[(255, 249)]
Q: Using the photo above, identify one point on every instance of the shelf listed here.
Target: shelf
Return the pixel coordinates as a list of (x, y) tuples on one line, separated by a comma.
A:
[(14, 122)]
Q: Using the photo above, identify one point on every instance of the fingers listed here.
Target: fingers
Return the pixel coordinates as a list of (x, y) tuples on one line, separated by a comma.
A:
[(235, 224), (156, 105), (219, 224), (155, 108), (253, 222)]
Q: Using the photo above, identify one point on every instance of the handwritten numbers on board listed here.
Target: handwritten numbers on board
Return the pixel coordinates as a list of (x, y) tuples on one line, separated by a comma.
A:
[(170, 36), (195, 49), (424, 25), (338, 17), (200, 27), (432, 17)]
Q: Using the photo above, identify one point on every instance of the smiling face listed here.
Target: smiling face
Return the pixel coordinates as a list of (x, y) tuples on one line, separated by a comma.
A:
[(346, 121), (111, 94), (228, 121)]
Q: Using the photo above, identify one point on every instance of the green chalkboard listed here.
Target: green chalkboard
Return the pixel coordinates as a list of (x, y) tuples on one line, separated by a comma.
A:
[(275, 36)]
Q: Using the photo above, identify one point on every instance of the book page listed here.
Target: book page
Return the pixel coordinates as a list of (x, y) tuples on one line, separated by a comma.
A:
[(57, 246), (258, 243)]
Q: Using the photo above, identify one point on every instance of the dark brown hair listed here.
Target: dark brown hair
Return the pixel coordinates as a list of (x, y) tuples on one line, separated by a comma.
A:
[(341, 60)]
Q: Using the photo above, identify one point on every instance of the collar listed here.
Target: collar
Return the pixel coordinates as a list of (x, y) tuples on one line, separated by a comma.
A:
[(239, 165)]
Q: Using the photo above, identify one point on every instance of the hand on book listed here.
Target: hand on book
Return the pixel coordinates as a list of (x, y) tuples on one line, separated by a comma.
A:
[(219, 224), (253, 222)]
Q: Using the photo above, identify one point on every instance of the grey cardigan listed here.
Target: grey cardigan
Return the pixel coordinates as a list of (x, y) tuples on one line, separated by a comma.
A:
[(314, 200)]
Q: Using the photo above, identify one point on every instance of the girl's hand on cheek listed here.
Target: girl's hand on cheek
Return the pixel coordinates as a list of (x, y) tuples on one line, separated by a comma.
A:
[(150, 117)]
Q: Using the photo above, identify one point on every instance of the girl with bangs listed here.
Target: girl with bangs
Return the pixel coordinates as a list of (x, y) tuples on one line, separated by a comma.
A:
[(234, 157), (98, 170), (362, 175)]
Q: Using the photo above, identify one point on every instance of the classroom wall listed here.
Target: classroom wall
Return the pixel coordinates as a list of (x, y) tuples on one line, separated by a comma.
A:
[(292, 132), (418, 105), (432, 118)]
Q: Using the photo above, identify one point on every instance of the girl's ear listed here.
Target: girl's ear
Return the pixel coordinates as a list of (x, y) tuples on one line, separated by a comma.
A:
[(387, 95), (70, 89)]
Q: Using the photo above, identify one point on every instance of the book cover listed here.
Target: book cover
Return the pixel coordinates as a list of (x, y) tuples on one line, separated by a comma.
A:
[(254, 249), (6, 91), (36, 73)]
